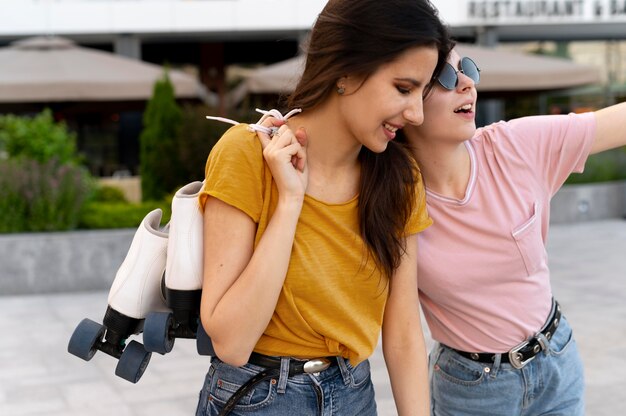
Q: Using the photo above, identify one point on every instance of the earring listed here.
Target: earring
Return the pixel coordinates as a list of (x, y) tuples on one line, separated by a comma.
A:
[(341, 90)]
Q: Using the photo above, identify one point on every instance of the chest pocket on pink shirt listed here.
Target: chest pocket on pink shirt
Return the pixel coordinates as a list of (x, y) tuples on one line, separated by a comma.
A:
[(529, 242)]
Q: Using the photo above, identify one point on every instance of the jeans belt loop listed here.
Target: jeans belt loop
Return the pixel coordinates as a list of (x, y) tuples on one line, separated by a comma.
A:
[(284, 375), (495, 366), (345, 372), (542, 340)]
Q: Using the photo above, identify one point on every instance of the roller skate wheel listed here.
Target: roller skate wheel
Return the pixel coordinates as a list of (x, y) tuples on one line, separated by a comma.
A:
[(84, 339), (133, 362), (156, 332)]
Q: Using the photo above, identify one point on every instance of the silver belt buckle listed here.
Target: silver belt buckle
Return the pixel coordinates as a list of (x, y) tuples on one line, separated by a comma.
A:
[(316, 365), (515, 358)]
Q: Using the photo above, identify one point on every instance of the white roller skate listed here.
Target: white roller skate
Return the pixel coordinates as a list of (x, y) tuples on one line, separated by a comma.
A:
[(183, 275), (135, 292)]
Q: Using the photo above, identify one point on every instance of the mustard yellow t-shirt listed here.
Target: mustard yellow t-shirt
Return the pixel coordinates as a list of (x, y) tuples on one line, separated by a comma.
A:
[(333, 298)]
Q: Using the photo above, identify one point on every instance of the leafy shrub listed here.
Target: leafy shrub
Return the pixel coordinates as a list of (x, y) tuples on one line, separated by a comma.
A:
[(104, 215), (37, 196), (38, 138), (42, 185), (13, 205)]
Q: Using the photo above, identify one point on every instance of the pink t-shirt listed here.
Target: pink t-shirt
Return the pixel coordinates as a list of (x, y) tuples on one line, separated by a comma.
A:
[(483, 270)]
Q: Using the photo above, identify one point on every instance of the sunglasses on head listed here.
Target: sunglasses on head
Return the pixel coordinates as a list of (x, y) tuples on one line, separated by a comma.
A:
[(449, 77)]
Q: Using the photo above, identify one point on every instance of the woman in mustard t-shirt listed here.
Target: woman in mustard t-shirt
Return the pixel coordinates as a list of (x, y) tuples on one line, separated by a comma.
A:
[(310, 237)]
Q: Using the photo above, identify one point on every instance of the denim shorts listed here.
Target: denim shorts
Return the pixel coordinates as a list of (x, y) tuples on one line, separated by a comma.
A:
[(340, 390), (551, 384)]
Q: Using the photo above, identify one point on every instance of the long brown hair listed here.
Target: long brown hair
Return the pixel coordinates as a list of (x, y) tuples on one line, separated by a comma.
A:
[(356, 37)]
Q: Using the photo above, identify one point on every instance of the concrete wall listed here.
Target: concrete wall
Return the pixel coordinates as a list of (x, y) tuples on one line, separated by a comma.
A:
[(588, 202), (88, 260), (61, 262)]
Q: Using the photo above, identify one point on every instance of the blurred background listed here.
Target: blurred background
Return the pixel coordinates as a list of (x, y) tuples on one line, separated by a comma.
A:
[(75, 58), (102, 119), (103, 102)]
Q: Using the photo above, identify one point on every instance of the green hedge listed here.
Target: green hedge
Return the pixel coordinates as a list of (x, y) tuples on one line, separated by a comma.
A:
[(602, 167), (107, 193), (105, 215)]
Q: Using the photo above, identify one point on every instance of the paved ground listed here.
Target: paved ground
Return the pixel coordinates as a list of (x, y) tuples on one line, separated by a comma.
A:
[(38, 376)]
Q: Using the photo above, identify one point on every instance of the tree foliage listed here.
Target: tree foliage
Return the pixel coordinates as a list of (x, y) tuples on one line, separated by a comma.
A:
[(37, 138), (160, 165)]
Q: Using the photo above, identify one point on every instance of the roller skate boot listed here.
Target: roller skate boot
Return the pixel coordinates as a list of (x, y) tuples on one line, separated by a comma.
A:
[(183, 275), (135, 291)]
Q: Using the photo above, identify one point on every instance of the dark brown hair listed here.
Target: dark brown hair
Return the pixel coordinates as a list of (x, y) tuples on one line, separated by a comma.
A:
[(356, 37)]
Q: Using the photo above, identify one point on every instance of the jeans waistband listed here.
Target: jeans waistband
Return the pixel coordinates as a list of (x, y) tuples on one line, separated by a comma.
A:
[(526, 351), (281, 368)]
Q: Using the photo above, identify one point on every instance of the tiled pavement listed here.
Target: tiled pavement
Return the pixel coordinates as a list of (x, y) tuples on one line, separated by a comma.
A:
[(38, 376)]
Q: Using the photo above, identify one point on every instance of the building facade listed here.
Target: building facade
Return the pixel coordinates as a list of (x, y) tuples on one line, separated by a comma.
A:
[(207, 37)]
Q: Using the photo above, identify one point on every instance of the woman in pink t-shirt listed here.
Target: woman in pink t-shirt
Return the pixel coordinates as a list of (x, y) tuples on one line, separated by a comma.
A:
[(503, 346)]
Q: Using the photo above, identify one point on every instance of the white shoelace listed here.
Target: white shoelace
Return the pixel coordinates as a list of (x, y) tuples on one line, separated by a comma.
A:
[(257, 126)]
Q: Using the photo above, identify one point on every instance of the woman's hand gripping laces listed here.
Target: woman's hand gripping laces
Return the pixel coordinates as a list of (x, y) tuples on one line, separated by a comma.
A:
[(283, 150)]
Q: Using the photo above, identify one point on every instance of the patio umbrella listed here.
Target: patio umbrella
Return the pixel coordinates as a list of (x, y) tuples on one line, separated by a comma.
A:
[(53, 69), (501, 72)]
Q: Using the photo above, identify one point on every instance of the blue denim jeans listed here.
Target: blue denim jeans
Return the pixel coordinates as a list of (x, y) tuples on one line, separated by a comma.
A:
[(339, 390), (551, 384)]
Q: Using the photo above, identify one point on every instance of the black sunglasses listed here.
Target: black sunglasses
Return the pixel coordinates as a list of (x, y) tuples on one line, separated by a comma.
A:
[(449, 77)]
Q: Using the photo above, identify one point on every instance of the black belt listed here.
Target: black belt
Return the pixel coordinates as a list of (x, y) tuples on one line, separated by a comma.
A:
[(314, 365), (272, 369), (523, 353)]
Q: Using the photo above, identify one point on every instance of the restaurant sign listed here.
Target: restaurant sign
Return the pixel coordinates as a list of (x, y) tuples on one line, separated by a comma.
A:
[(534, 11)]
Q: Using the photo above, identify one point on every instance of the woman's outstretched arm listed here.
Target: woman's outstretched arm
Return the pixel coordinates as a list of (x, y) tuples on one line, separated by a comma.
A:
[(611, 128)]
